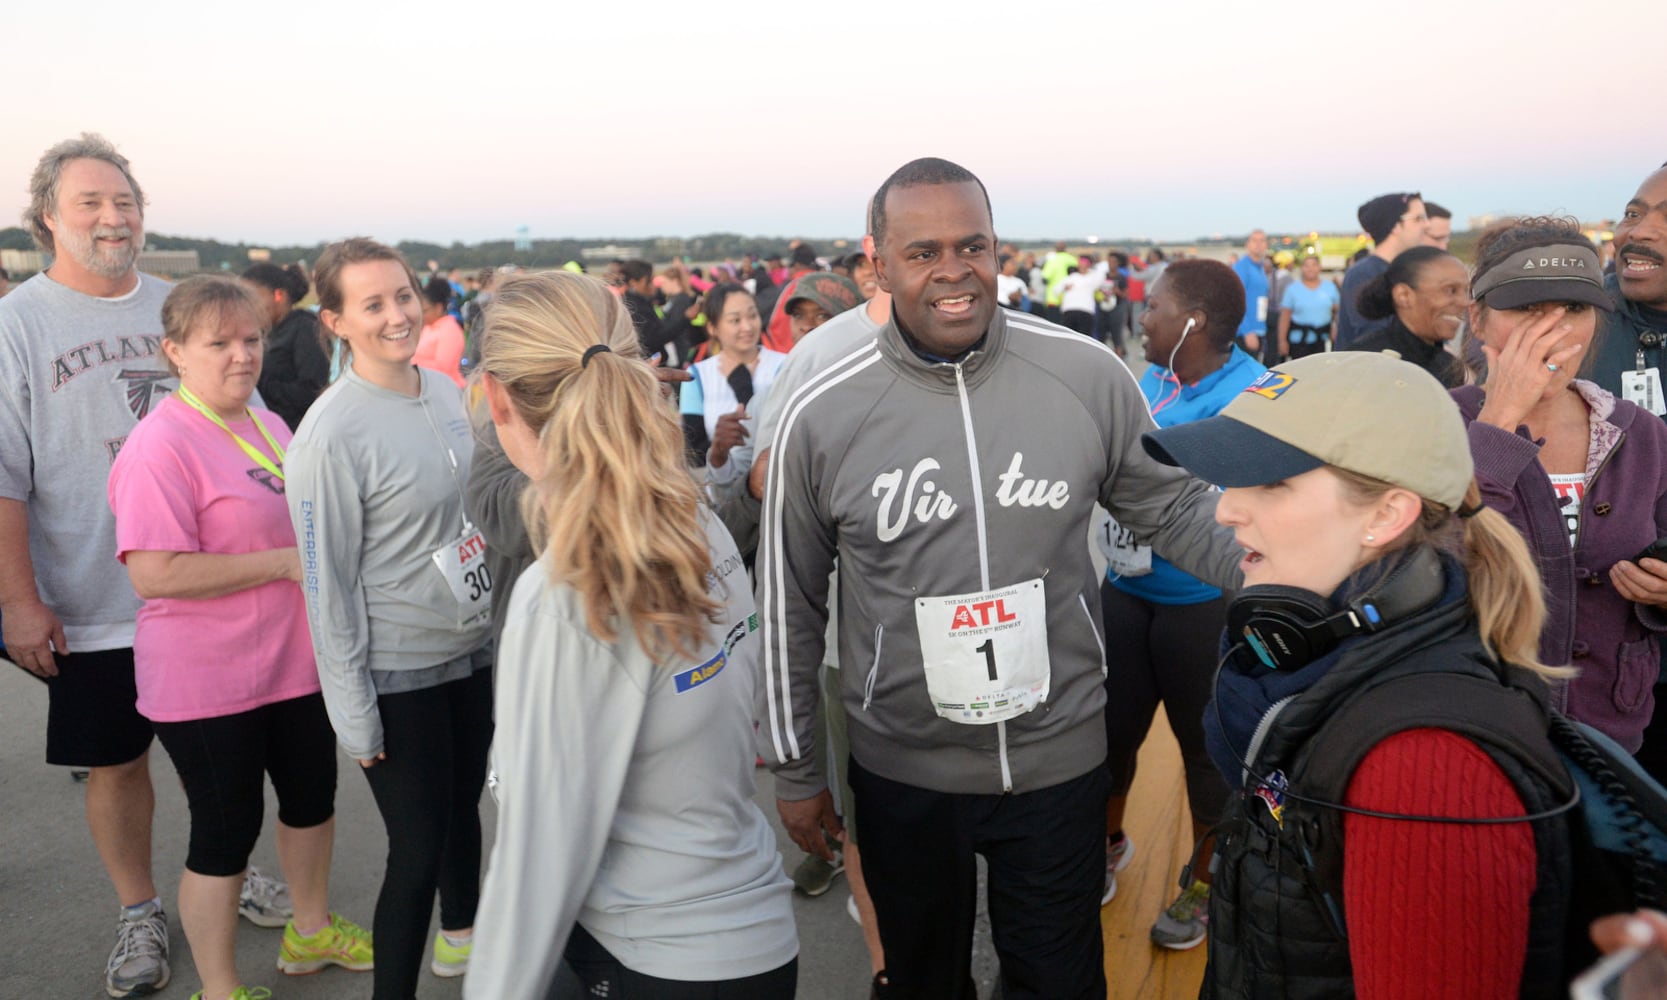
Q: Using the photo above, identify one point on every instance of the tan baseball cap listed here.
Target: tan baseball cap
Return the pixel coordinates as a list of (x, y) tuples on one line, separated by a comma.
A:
[(1371, 414)]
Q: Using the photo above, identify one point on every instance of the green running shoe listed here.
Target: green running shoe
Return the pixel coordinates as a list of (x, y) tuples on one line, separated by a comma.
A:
[(340, 942), (450, 960)]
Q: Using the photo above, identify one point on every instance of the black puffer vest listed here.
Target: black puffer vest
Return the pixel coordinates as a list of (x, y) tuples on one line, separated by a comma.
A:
[(1277, 921)]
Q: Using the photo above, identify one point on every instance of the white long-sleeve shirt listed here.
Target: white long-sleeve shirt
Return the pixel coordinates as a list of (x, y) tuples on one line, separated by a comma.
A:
[(625, 799)]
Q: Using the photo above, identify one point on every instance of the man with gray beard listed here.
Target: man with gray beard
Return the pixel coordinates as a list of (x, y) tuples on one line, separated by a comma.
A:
[(80, 364), (79, 360)]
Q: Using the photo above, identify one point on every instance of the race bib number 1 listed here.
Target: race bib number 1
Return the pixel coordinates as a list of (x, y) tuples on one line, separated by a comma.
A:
[(986, 654), (463, 564)]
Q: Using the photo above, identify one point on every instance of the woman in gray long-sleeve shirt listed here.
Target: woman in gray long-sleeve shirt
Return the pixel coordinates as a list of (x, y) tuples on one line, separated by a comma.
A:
[(398, 600), (628, 842)]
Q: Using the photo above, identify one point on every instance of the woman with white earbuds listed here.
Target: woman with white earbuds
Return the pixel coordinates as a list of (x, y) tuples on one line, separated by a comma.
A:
[(1163, 622)]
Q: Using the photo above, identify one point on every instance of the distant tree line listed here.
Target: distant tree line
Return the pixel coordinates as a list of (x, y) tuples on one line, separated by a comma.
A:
[(215, 255)]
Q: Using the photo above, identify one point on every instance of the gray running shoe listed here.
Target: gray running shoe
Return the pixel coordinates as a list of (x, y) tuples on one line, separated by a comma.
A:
[(814, 876), (138, 966), (1119, 853), (264, 900), (1187, 920)]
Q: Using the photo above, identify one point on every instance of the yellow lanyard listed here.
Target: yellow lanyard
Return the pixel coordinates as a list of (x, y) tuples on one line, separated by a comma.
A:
[(190, 399)]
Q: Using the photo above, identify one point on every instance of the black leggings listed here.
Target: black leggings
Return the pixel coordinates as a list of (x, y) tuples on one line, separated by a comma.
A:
[(592, 971), (220, 762), (1081, 322), (1167, 653), (1115, 322), (428, 791)]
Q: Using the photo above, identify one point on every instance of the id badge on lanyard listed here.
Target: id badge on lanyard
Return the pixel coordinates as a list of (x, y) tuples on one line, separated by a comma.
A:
[(985, 654), (1643, 388)]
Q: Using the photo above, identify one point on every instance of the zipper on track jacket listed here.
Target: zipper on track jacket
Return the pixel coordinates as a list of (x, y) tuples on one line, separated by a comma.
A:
[(983, 543)]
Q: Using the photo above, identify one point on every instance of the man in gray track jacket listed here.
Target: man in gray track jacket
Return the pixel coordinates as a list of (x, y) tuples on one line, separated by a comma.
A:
[(952, 467)]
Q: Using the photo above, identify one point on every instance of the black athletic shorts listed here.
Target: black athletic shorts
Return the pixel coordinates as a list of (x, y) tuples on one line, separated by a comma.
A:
[(92, 718)]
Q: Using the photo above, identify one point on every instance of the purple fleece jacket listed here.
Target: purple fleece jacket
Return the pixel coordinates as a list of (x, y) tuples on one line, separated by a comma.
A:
[(1611, 640)]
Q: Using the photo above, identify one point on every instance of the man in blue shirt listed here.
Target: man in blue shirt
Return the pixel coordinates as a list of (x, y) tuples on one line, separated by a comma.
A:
[(1253, 274)]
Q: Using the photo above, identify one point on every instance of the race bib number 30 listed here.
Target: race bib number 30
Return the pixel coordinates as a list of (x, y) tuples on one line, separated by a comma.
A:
[(463, 564), (986, 654)]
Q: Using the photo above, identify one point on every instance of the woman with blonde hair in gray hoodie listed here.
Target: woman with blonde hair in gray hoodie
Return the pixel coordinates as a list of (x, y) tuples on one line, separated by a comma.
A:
[(628, 842)]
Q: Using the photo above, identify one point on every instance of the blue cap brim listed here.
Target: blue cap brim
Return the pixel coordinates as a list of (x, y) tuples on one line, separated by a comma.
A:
[(1227, 453)]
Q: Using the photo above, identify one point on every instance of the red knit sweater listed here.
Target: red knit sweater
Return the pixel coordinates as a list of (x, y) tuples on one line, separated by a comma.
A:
[(1435, 909)]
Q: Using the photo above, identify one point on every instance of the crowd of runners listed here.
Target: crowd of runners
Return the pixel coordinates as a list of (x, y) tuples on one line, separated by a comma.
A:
[(607, 543)]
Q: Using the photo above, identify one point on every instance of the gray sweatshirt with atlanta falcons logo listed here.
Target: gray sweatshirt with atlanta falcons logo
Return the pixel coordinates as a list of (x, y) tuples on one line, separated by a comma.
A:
[(929, 479)]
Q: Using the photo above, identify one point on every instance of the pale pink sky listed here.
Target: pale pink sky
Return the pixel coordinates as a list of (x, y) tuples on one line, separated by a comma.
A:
[(307, 121)]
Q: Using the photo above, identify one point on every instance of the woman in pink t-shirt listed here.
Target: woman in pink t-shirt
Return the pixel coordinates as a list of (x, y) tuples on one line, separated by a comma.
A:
[(440, 346), (223, 658)]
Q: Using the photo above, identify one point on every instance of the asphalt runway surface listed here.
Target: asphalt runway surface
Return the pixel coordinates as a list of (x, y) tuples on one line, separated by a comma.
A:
[(59, 912)]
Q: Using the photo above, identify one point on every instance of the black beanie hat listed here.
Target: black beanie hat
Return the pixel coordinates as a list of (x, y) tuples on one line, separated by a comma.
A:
[(1379, 216)]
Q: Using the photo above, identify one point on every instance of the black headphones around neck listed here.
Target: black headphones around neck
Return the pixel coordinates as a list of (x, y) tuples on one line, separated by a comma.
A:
[(1288, 627)]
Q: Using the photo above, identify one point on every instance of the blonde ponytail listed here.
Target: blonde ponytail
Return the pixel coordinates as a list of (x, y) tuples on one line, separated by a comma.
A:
[(617, 514), (1505, 588)]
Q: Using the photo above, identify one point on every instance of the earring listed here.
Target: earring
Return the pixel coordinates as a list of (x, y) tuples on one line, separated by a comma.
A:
[(1370, 539)]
